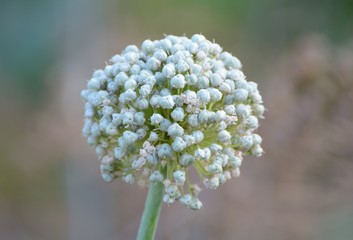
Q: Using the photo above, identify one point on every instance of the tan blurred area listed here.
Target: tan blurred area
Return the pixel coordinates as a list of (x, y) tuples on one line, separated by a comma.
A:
[(300, 53)]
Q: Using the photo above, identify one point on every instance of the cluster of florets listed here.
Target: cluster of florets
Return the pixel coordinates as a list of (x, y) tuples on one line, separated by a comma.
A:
[(175, 103)]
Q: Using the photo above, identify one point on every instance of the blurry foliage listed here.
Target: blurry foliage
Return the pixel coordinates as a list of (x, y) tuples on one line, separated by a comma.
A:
[(29, 44)]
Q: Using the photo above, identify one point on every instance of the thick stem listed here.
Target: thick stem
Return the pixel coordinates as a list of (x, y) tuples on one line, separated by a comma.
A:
[(151, 212)]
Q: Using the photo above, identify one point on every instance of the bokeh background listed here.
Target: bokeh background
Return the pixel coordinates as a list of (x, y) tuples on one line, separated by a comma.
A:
[(301, 54)]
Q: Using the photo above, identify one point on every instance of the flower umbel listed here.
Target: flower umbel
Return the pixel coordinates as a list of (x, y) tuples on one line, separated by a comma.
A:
[(174, 104)]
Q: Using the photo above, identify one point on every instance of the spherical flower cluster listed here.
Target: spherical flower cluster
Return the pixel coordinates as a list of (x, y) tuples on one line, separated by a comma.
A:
[(174, 104)]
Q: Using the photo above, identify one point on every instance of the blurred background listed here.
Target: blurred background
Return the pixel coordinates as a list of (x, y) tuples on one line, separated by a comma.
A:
[(301, 54)]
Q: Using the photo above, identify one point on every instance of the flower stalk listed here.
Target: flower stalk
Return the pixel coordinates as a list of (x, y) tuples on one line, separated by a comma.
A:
[(151, 212)]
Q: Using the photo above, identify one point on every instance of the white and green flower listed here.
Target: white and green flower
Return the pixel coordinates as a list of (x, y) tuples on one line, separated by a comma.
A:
[(174, 104)]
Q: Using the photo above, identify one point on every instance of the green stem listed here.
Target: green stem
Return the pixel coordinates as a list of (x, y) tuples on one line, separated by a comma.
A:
[(151, 212)]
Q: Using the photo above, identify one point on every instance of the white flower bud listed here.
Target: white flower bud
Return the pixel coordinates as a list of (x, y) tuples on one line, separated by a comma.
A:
[(192, 47), (150, 80), (252, 87), (178, 114), (202, 82), (112, 87), (130, 84), (86, 130), (129, 178), (131, 57), (182, 66), (127, 118), (164, 151), (189, 139), (230, 61), (153, 137), (178, 81), (153, 64), (224, 136), (208, 153), (147, 46), (224, 87), (179, 177), (165, 125), (165, 92), (186, 159), (236, 172), (240, 94), (117, 58), (215, 94), (256, 98), (257, 150), (152, 159), (155, 100), (111, 129), (119, 152), (104, 122), (167, 102), (141, 103), (246, 141), (258, 110), (160, 55), (172, 190), (135, 69), (186, 199), (215, 148), (175, 130), (252, 122), (168, 199), (198, 38), (204, 95), (131, 48), (195, 204), (89, 110), (230, 109), (168, 70), (257, 139), (243, 110), (179, 144), (121, 78), (201, 55), (236, 75), (93, 84), (196, 69), (193, 120), (156, 118), (129, 95), (106, 167), (139, 118), (165, 44), (191, 79), (198, 136), (213, 183), (216, 80), (95, 131), (129, 137), (199, 153), (108, 177), (214, 168), (234, 162), (220, 115), (100, 151), (138, 163), (178, 100), (141, 133)]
